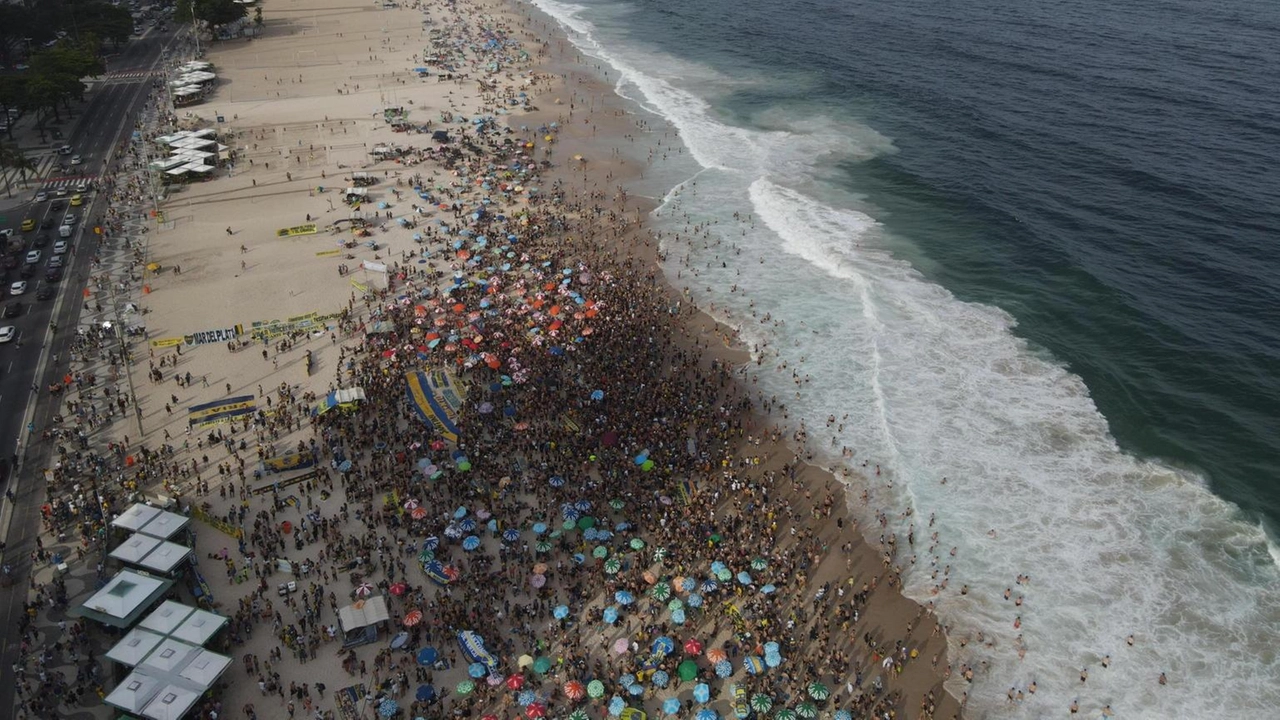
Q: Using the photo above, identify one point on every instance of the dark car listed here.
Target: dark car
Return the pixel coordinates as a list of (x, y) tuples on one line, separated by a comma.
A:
[(42, 239), (28, 269), (12, 261), (13, 309), (54, 275), (46, 223), (45, 293)]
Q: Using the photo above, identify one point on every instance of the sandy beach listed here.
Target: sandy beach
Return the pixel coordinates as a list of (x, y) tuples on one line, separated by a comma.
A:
[(609, 509)]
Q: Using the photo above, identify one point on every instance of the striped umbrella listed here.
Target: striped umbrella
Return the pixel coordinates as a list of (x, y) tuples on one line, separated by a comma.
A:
[(784, 714), (661, 592), (466, 687), (612, 565), (807, 710), (818, 691), (761, 703), (575, 690), (595, 689)]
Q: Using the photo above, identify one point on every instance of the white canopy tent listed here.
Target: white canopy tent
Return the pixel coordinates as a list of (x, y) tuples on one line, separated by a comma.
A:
[(165, 525), (166, 557), (166, 618), (125, 595), (134, 646), (205, 667), (135, 692), (135, 548), (199, 627), (170, 656), (135, 517), (171, 703)]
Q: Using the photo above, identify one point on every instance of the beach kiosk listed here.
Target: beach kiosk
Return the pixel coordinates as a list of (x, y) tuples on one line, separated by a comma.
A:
[(361, 620)]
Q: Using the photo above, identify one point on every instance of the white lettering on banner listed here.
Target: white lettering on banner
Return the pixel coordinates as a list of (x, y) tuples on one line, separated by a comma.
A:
[(374, 266)]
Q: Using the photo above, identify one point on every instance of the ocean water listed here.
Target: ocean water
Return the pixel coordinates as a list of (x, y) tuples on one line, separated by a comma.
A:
[(1026, 248)]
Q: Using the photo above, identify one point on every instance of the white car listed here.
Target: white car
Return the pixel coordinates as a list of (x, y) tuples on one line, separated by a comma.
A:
[(82, 187), (76, 159), (65, 150), (18, 288), (42, 196), (61, 247), (33, 256), (7, 333)]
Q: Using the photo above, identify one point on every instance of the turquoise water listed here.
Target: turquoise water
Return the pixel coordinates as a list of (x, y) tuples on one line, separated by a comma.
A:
[(1028, 249)]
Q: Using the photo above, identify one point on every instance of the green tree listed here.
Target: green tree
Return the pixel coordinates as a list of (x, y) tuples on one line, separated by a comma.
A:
[(12, 158), (13, 95)]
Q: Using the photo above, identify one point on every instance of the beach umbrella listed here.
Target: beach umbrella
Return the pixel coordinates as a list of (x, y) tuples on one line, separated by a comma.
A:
[(612, 565), (687, 670), (660, 592), (489, 716), (702, 692), (692, 646), (466, 687), (784, 714), (575, 690), (579, 558), (538, 581), (677, 616), (413, 617), (523, 661), (753, 664), (663, 645), (715, 655), (600, 551), (617, 503), (675, 604), (539, 568), (595, 689), (695, 600), (539, 528), (842, 715), (427, 655), (635, 690), (364, 590), (772, 660), (710, 586), (493, 680), (744, 578), (772, 647), (432, 543), (768, 589), (660, 678), (510, 535), (570, 524), (759, 564), (556, 481), (818, 691), (688, 584), (637, 544), (671, 706), (425, 693), (649, 577), (616, 706), (623, 597), (620, 645), (542, 665), (659, 554), (708, 714), (535, 710), (467, 524), (477, 670), (724, 575), (761, 703), (561, 612), (582, 505), (471, 542), (578, 714), (610, 614), (418, 513), (388, 707), (515, 682), (526, 697), (542, 546), (807, 710), (410, 504), (723, 669), (461, 512)]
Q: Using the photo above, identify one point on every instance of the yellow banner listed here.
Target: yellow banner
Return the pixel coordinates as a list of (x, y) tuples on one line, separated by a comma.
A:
[(329, 253), (309, 229), (359, 286), (166, 342)]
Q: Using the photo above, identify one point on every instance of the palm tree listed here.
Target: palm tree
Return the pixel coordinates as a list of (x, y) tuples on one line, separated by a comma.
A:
[(12, 158)]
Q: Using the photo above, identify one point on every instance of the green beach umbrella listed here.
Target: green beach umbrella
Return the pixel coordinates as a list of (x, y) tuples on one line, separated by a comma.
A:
[(818, 691), (637, 544), (660, 592), (595, 689), (807, 710), (554, 534), (569, 525), (600, 552), (541, 665), (759, 564), (612, 566), (616, 504), (660, 554), (586, 521), (465, 687), (761, 703), (687, 670), (675, 604), (578, 714), (785, 714), (426, 555), (542, 546), (725, 575)]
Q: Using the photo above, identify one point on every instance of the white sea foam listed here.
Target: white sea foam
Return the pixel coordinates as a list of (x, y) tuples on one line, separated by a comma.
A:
[(934, 387)]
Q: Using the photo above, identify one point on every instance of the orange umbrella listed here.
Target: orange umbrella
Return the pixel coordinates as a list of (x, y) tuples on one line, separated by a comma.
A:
[(716, 655), (574, 690), (418, 513), (413, 617)]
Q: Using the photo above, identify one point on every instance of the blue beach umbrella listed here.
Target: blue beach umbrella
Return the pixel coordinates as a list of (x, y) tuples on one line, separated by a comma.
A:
[(660, 678), (753, 664), (663, 645), (467, 525), (431, 543), (616, 706), (708, 714), (626, 680), (842, 715), (610, 614), (539, 528), (526, 698), (701, 692), (583, 505), (510, 535), (723, 669), (744, 578), (635, 690), (556, 481), (561, 612), (569, 512), (623, 597), (694, 601), (769, 589), (460, 513), (688, 584), (709, 586), (671, 706), (772, 647), (772, 660), (477, 670), (471, 542), (427, 655), (678, 616), (425, 693)]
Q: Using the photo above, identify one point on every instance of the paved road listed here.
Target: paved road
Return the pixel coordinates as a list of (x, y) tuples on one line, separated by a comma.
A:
[(106, 122)]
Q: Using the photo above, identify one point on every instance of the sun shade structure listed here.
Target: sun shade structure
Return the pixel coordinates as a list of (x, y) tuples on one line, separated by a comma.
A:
[(165, 525), (135, 517), (123, 599), (134, 646)]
